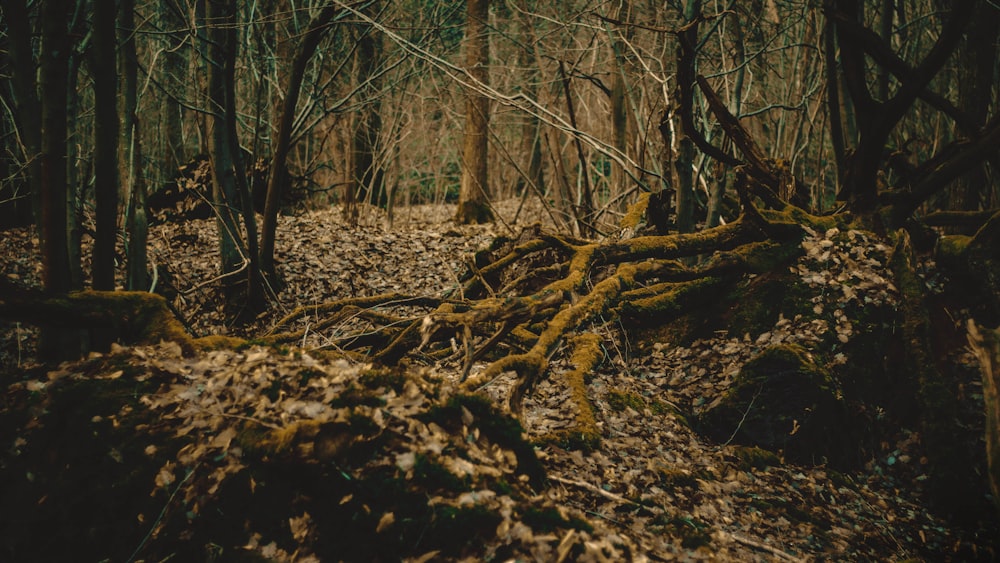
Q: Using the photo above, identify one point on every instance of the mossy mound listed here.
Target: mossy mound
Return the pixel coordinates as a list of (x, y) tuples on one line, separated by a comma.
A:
[(782, 401), (262, 455)]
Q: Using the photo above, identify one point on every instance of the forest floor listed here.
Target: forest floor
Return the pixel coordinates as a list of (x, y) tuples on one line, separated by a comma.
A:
[(290, 454)]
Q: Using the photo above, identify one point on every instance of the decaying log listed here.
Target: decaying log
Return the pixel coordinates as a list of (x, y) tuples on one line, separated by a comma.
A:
[(133, 317), (986, 345)]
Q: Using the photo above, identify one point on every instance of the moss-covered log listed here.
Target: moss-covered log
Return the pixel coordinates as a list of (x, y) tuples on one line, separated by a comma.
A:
[(134, 317)]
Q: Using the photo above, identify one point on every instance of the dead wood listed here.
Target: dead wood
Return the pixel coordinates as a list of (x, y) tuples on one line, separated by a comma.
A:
[(133, 317), (986, 345)]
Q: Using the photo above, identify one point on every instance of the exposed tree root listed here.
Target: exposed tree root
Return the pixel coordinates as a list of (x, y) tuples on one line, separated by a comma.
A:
[(515, 309)]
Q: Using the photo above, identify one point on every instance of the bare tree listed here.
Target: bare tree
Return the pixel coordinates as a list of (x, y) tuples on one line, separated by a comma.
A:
[(230, 193), (283, 139), (473, 206), (137, 276), (54, 63), (103, 69), (366, 182)]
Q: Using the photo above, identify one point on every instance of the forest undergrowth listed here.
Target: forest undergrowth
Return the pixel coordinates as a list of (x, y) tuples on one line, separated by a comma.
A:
[(669, 449)]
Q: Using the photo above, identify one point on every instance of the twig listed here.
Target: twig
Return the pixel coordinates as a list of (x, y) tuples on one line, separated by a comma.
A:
[(163, 513), (764, 547), (744, 418), (595, 489)]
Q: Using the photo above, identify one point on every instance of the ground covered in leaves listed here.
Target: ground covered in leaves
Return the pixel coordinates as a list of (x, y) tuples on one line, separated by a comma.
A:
[(291, 454)]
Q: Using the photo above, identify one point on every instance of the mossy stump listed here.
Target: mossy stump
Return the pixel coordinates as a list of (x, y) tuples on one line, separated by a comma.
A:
[(782, 401)]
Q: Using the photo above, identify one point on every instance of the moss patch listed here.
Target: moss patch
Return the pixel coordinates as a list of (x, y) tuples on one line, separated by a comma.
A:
[(755, 458), (692, 532), (497, 426), (783, 401)]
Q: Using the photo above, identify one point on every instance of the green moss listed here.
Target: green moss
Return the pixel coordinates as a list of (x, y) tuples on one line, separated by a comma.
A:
[(692, 532), (499, 427), (777, 507), (572, 440), (636, 212), (675, 478), (758, 303), (354, 396), (253, 440), (548, 520), (673, 299), (621, 400), (783, 401), (383, 377), (755, 458), (430, 474), (840, 480), (473, 213), (502, 487)]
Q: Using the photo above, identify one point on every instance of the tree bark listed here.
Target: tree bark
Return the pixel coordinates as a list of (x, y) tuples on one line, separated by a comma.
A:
[(174, 65), (473, 197), (684, 157), (619, 97), (220, 19), (282, 141), (104, 71), (75, 163), (137, 276), (975, 83), (367, 179), (54, 69), (833, 98), (55, 343)]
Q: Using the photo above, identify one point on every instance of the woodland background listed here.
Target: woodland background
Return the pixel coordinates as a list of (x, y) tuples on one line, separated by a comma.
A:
[(581, 105), (761, 165)]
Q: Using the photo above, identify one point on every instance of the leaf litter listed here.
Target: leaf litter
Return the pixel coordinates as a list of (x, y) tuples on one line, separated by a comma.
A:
[(338, 455)]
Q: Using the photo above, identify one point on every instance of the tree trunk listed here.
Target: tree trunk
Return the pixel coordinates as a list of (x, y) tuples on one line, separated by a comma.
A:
[(619, 98), (53, 73), (531, 133), (367, 180), (55, 343), (282, 141), (877, 120), (833, 101), (473, 197), (74, 176), (104, 71), (137, 276), (174, 66), (583, 208), (975, 83), (684, 157), (220, 20)]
